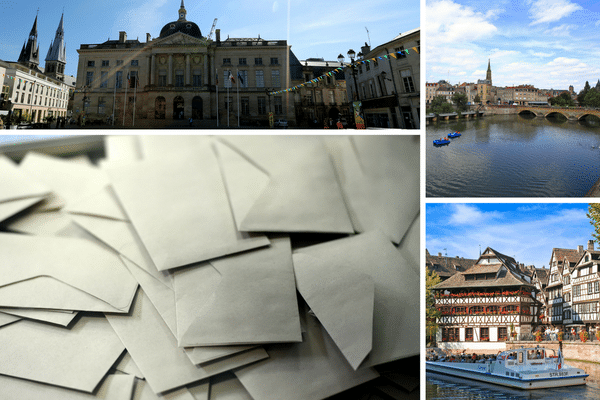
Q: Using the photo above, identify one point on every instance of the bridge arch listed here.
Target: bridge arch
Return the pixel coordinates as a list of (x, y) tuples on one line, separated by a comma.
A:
[(528, 113), (589, 117), (557, 114)]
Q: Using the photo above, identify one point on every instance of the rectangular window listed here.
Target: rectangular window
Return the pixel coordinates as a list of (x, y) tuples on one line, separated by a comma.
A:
[(368, 66), (258, 61), (262, 105), (119, 63), (485, 334), (274, 61), (502, 334), (119, 79), (260, 79), (105, 63), (596, 287), (133, 79), (409, 86), (179, 78), (243, 77), (589, 288), (227, 61), (242, 61), (197, 79), (134, 63), (275, 81), (89, 78), (401, 51), (469, 334), (245, 105), (162, 77), (101, 105), (103, 79), (91, 63), (278, 104)]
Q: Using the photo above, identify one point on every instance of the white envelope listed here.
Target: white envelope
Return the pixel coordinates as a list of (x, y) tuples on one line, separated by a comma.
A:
[(154, 349), (312, 369), (397, 296), (227, 387), (6, 319), (62, 274), (144, 392), (282, 184), (379, 175), (179, 208), (101, 215), (114, 387), (342, 299), (59, 356), (18, 191), (67, 179), (53, 317), (246, 298)]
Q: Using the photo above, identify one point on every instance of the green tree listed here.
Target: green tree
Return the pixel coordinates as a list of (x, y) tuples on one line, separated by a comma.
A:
[(431, 313), (477, 99), (594, 215), (460, 101), (592, 98), (437, 102), (581, 95), (564, 100)]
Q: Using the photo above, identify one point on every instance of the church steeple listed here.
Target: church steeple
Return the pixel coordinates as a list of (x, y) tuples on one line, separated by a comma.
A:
[(57, 58), (182, 12), (488, 76), (30, 54)]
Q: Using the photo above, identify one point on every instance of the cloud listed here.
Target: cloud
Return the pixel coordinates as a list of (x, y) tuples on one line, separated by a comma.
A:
[(544, 11), (560, 31), (449, 22), (470, 214)]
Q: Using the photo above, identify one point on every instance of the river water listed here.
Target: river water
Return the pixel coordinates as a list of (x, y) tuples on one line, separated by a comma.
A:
[(513, 156), (446, 387)]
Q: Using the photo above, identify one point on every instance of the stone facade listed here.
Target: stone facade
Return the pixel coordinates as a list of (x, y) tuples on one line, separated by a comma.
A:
[(181, 75)]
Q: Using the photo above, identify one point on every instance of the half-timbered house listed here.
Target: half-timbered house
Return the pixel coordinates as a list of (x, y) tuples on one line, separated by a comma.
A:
[(585, 288), (486, 302)]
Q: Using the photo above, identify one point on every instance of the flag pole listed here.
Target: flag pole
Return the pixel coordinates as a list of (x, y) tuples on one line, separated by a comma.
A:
[(125, 100), (229, 77), (217, 82), (238, 96), (134, 99), (114, 101)]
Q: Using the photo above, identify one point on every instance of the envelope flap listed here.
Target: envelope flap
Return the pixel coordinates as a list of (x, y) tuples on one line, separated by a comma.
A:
[(78, 263), (342, 298), (101, 203), (16, 185)]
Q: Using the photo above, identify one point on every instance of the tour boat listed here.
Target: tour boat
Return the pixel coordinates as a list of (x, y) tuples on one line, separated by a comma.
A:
[(453, 135), (523, 368), (441, 142)]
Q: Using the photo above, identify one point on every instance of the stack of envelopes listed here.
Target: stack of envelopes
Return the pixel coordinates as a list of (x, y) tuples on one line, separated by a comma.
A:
[(177, 260)]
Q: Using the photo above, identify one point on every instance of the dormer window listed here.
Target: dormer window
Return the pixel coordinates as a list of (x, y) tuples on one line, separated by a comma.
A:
[(172, 26)]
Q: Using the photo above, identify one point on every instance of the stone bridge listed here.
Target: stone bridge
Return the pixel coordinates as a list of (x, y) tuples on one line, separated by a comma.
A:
[(569, 113)]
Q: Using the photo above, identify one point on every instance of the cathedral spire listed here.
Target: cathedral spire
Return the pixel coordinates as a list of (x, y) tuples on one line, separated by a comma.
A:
[(57, 53), (488, 76), (30, 53), (182, 12)]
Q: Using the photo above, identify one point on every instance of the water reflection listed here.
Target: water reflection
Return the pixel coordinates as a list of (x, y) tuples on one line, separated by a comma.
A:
[(509, 155), (440, 386)]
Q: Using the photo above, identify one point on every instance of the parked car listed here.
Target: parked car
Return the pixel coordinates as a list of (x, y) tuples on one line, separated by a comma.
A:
[(282, 123)]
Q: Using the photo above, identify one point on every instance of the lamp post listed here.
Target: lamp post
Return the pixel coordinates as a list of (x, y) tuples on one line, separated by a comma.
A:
[(357, 104), (393, 80)]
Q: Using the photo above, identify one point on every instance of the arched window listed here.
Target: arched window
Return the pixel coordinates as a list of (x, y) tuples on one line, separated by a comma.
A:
[(160, 108)]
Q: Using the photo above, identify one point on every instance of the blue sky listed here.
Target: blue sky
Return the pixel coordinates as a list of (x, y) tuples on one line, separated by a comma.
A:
[(546, 43), (527, 232), (321, 29)]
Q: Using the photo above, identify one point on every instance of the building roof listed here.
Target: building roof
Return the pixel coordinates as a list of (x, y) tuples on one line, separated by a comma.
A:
[(57, 50), (445, 267), (181, 25), (508, 273)]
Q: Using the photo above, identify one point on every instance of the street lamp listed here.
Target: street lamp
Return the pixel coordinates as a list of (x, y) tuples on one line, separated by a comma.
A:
[(356, 96)]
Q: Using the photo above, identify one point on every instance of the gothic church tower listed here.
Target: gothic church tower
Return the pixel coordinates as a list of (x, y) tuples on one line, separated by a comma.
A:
[(30, 54), (488, 75), (57, 58)]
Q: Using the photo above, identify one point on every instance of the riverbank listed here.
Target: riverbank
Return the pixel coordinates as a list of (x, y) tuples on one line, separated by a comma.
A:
[(595, 190)]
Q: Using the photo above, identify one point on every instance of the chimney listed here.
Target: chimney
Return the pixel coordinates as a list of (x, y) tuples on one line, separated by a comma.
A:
[(580, 249), (590, 245), (122, 37), (365, 49), (218, 35), (148, 38), (439, 254)]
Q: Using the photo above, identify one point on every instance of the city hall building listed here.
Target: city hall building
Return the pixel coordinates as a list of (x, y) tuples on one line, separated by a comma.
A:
[(182, 74)]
